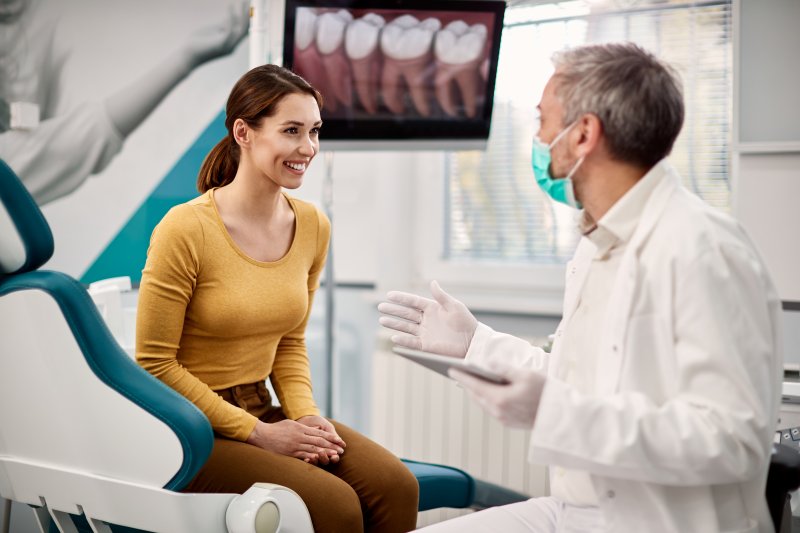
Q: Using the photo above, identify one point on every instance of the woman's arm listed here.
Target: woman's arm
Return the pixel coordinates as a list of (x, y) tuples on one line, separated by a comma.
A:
[(167, 285), (291, 373)]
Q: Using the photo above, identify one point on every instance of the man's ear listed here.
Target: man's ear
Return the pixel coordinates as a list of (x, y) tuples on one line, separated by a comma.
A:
[(589, 131), (241, 132)]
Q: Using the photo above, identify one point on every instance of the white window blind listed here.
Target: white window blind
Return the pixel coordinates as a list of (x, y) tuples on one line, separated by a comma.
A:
[(495, 213)]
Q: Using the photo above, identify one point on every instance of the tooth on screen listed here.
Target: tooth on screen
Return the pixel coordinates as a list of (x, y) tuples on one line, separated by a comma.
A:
[(361, 38), (458, 49), (405, 37), (458, 43), (330, 30), (305, 27), (361, 46)]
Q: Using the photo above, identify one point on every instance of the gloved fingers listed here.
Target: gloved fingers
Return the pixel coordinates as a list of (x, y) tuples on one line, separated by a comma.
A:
[(439, 294), (502, 368), (400, 311), (408, 341), (399, 325), (479, 390), (409, 300), (477, 386)]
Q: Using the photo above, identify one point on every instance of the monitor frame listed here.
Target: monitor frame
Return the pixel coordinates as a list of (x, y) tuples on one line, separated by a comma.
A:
[(407, 133)]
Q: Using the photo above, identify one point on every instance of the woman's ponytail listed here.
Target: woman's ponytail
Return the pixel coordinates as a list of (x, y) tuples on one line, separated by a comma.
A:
[(220, 165)]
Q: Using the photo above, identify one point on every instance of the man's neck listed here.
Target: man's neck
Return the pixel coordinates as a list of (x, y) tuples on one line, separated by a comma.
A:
[(604, 183)]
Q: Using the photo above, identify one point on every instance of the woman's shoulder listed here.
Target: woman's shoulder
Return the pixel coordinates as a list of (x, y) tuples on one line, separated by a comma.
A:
[(186, 218), (310, 213)]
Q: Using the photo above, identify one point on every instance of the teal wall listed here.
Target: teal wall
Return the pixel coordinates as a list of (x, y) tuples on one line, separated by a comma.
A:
[(126, 253)]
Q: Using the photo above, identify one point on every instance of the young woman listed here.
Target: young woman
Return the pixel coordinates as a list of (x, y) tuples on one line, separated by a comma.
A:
[(224, 302)]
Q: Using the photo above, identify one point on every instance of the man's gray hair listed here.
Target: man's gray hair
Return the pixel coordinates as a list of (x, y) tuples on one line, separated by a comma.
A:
[(637, 98)]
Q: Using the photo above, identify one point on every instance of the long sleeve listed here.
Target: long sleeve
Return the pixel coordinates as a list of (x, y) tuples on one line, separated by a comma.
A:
[(489, 347), (723, 353), (57, 156), (168, 283), (291, 373)]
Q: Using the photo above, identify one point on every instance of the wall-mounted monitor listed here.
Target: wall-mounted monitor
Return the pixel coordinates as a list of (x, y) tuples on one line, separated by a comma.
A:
[(398, 74)]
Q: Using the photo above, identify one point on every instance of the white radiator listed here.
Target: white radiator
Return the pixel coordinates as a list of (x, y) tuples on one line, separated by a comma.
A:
[(421, 415)]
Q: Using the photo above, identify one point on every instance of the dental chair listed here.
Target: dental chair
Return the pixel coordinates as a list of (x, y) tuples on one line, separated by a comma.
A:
[(92, 442), (84, 431)]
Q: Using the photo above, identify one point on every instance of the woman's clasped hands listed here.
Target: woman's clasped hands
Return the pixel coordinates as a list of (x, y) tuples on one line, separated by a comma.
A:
[(310, 438)]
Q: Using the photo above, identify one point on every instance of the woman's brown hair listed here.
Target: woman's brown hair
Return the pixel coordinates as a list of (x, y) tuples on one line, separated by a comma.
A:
[(256, 95)]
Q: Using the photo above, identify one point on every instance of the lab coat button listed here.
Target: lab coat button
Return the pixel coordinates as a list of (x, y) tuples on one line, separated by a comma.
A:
[(610, 494), (614, 348)]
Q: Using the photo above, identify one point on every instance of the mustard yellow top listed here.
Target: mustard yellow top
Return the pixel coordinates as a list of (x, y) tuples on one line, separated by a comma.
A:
[(211, 317)]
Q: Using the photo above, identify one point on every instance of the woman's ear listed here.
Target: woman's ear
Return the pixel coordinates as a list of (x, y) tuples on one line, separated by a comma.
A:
[(241, 132)]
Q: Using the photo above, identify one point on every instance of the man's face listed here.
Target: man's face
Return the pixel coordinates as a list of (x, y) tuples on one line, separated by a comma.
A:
[(551, 123)]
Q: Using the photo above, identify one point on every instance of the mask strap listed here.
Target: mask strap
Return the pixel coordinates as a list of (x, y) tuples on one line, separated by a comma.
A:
[(560, 135)]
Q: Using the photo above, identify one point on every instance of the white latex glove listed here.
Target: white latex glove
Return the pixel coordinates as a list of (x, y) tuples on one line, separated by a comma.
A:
[(514, 404), (443, 325)]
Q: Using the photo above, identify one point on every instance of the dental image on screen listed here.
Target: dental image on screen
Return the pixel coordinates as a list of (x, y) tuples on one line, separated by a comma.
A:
[(397, 65)]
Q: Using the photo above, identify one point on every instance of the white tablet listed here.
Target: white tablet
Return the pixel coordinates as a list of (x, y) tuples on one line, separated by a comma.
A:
[(441, 363)]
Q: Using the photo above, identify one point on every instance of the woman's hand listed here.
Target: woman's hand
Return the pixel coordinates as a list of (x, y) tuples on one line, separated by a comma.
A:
[(324, 424), (304, 441)]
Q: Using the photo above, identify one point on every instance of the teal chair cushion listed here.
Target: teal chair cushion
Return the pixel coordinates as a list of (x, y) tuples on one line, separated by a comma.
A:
[(442, 486)]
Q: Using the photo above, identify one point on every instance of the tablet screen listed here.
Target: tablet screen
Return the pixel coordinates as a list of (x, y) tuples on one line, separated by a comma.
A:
[(442, 363)]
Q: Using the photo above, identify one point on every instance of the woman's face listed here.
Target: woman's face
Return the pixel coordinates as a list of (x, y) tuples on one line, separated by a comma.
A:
[(285, 143)]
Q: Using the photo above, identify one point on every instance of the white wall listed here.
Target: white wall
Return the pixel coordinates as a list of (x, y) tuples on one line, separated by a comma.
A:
[(112, 43), (767, 197), (766, 155)]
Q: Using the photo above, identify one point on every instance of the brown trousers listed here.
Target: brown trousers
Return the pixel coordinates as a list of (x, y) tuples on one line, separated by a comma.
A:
[(369, 489)]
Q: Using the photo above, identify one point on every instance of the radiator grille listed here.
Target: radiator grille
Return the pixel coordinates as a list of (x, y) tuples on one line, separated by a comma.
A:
[(421, 415)]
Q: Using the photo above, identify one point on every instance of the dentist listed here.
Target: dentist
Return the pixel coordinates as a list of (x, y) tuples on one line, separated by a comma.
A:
[(656, 408)]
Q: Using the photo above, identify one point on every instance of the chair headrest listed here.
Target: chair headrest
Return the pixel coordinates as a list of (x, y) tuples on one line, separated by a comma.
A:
[(26, 242)]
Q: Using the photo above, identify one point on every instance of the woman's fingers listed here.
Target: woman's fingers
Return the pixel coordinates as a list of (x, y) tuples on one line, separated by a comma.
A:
[(325, 439), (322, 445)]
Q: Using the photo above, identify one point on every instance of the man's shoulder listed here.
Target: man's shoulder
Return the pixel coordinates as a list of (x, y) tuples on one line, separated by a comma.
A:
[(689, 226)]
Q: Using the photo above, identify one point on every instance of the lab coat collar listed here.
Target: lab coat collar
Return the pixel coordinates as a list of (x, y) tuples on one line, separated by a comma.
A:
[(621, 220)]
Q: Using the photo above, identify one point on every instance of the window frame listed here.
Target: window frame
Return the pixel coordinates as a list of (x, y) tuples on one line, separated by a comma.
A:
[(529, 288)]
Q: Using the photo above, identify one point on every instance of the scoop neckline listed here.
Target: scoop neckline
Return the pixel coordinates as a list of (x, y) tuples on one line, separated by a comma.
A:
[(241, 252)]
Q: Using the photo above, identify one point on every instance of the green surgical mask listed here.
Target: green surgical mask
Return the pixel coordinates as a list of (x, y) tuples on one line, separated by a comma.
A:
[(559, 189)]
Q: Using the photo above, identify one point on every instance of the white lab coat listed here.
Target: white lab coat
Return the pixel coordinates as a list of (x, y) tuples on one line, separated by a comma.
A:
[(677, 437)]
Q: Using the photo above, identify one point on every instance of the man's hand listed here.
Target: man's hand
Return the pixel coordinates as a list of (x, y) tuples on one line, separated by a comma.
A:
[(514, 404), (443, 325)]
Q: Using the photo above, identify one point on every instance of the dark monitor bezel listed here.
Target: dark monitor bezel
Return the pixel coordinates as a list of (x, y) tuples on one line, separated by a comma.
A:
[(404, 129)]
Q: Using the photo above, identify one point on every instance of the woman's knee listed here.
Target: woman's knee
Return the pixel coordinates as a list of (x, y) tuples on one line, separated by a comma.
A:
[(400, 483), (334, 509), (393, 499)]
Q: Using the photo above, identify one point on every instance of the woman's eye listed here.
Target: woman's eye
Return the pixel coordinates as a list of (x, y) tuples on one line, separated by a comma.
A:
[(315, 131), (290, 130)]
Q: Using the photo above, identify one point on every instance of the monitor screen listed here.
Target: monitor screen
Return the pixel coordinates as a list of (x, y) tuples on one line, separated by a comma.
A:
[(398, 72)]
